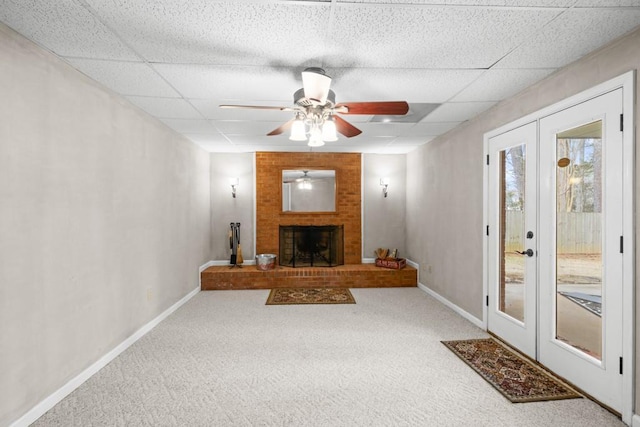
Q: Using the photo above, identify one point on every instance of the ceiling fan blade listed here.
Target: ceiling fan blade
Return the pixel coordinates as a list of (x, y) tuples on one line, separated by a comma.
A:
[(283, 128), (395, 108), (346, 128), (258, 107)]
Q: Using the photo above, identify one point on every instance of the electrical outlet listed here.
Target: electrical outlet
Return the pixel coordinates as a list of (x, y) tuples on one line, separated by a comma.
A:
[(429, 268), (149, 294)]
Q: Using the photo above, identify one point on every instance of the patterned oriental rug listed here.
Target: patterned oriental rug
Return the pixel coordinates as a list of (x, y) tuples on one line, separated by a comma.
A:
[(517, 378), (310, 296)]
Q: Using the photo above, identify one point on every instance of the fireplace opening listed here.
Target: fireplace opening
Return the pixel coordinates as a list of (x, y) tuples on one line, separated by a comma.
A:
[(311, 245)]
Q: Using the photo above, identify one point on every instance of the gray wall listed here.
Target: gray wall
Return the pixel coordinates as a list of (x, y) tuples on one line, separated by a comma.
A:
[(384, 219), (226, 209), (444, 191), (104, 221)]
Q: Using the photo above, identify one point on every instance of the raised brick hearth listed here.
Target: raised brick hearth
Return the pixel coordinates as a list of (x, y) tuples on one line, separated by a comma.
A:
[(344, 276)]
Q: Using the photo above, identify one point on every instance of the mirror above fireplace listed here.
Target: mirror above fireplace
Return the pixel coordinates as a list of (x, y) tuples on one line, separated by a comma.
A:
[(308, 190)]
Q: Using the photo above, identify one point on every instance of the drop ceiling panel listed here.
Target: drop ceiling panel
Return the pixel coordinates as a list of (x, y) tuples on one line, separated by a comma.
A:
[(213, 143), (423, 129), (210, 109), (201, 31), (457, 111), (434, 86), (166, 108), (191, 126), (374, 35), (573, 35), (498, 84), (125, 78), (247, 127), (499, 3), (384, 129), (412, 141), (231, 82), (64, 27)]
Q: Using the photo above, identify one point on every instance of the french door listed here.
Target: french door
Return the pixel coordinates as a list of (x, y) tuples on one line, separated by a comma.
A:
[(513, 268), (555, 268)]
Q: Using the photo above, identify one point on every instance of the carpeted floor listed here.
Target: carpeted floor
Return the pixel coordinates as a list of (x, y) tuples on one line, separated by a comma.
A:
[(285, 296), (227, 359)]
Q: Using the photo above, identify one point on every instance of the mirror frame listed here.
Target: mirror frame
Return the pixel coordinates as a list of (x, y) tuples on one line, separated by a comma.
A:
[(310, 169)]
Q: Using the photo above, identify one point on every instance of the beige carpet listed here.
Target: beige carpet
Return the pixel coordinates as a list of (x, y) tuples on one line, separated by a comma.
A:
[(227, 359)]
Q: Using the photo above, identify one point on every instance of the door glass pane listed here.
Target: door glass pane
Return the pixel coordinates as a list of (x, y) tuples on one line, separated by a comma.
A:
[(579, 195), (512, 234)]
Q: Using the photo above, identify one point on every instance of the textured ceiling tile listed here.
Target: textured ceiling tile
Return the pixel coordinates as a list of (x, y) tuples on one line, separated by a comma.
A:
[(187, 126), (498, 3), (246, 127), (434, 86), (64, 27), (210, 108), (213, 143), (383, 129), (498, 84), (432, 37), (166, 108), (573, 35), (429, 129), (608, 3), (412, 140), (125, 78), (457, 111), (232, 82), (201, 31)]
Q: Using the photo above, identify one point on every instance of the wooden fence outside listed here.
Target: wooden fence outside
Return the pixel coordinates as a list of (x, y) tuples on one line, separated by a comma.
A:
[(578, 232)]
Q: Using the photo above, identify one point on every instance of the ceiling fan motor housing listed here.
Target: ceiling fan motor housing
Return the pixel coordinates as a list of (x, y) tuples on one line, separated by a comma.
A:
[(300, 99)]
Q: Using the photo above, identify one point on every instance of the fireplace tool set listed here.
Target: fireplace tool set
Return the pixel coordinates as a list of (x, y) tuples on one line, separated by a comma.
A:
[(234, 244)]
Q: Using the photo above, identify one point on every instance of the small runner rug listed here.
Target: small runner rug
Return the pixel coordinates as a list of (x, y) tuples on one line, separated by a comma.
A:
[(517, 378), (310, 296)]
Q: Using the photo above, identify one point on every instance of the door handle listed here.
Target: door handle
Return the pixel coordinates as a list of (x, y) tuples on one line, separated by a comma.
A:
[(528, 252)]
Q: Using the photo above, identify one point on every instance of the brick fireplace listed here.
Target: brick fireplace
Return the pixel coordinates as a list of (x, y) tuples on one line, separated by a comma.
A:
[(270, 217), (269, 214)]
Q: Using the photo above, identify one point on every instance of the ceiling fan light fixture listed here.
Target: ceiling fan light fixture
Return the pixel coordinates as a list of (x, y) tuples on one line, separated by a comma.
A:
[(315, 139), (329, 131), (298, 132), (316, 84)]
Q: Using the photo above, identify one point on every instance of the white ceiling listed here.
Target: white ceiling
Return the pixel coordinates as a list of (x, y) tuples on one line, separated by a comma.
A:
[(179, 59)]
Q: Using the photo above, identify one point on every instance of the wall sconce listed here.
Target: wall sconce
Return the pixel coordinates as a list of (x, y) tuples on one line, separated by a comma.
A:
[(234, 184), (384, 182)]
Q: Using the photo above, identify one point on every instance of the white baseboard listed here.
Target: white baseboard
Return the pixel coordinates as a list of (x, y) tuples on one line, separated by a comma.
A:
[(368, 260), (471, 318), (203, 267), (49, 402), (416, 266), (635, 421)]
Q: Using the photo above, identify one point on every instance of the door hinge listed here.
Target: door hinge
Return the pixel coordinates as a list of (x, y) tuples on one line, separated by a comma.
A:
[(487, 301), (621, 366), (621, 245), (487, 230), (621, 122), (487, 159)]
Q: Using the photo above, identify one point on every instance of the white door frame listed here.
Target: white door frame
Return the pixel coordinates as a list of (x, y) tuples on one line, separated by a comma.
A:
[(627, 83)]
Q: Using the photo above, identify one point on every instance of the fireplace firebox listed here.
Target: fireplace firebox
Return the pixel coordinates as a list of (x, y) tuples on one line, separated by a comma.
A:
[(311, 245)]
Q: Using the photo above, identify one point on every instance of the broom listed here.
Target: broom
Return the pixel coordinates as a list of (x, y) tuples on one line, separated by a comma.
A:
[(239, 259)]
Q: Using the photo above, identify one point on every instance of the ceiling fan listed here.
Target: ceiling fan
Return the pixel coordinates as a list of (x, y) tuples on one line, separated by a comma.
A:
[(316, 111)]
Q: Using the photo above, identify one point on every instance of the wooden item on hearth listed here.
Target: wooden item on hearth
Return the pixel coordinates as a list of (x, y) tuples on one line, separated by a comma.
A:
[(394, 263)]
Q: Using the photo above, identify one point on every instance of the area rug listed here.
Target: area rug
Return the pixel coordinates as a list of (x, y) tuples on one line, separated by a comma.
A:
[(310, 296), (517, 378)]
